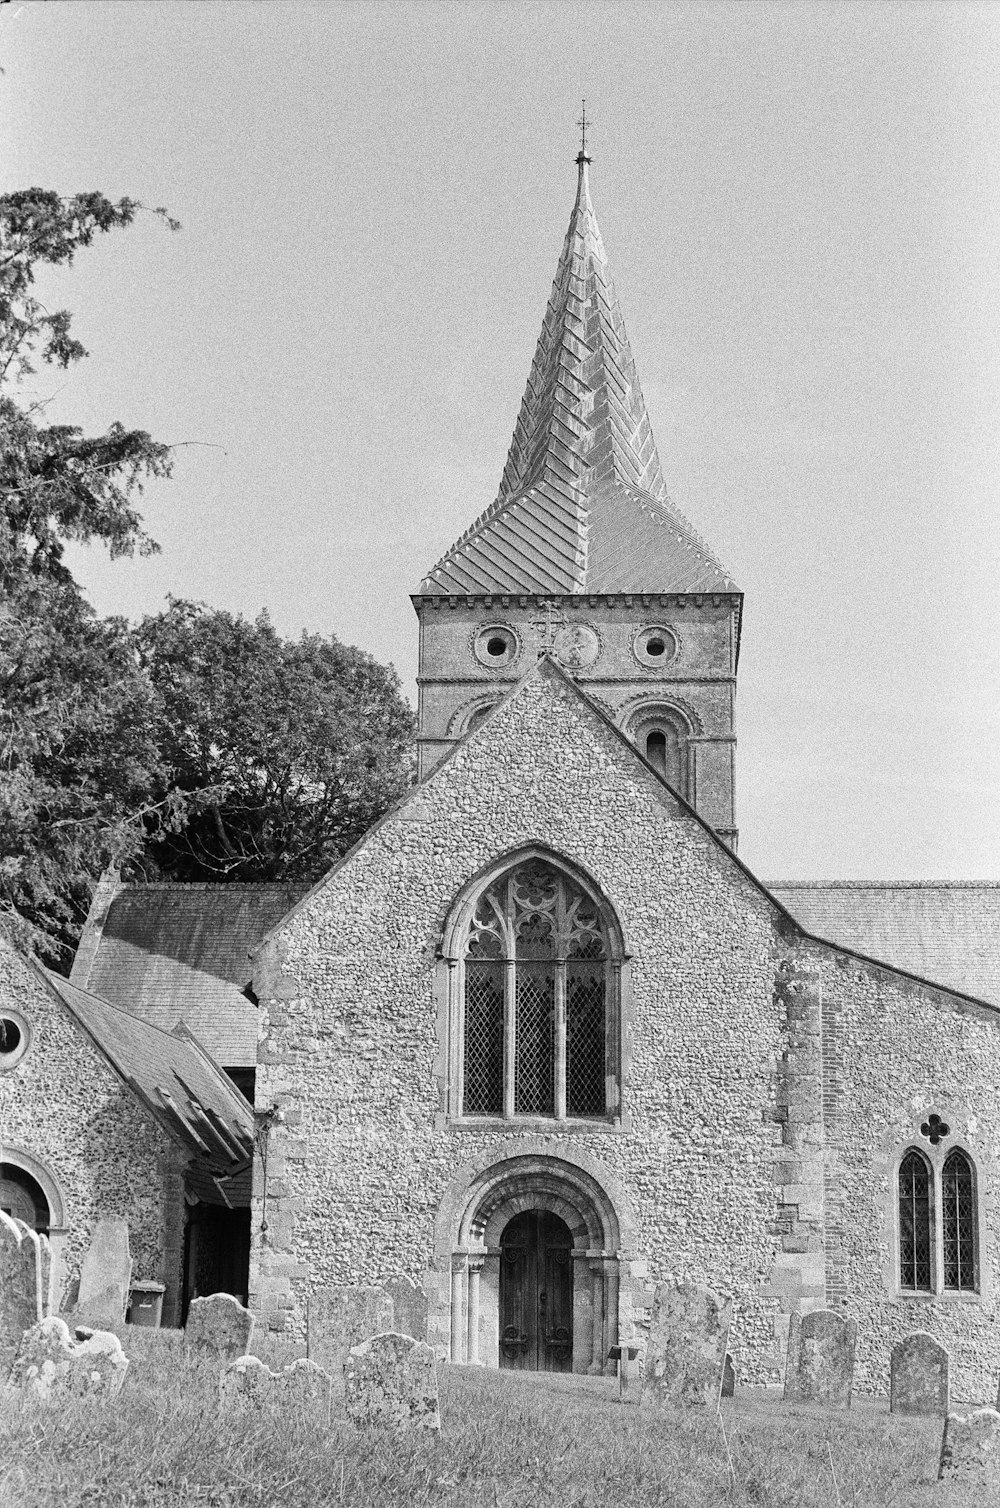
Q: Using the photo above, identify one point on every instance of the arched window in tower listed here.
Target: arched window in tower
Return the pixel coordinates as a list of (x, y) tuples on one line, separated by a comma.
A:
[(537, 974), (661, 733), (915, 1223), (958, 1223), (664, 752)]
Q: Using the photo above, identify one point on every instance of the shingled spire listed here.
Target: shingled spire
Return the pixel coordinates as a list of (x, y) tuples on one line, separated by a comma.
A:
[(582, 506)]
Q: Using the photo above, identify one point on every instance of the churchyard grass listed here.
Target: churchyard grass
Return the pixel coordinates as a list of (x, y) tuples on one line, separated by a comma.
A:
[(507, 1441)]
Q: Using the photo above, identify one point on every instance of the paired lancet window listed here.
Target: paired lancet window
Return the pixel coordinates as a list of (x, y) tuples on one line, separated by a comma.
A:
[(937, 1224), (539, 993)]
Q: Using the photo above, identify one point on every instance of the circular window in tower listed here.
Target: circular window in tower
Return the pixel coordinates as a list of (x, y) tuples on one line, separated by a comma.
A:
[(15, 1037), (655, 647), (496, 646)]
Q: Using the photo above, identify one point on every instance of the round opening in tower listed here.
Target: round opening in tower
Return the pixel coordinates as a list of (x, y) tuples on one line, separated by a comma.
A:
[(655, 646), (496, 646), (15, 1036)]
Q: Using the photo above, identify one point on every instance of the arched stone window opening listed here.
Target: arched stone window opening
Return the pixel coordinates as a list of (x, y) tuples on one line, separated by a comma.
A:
[(915, 1223), (958, 1224), (539, 999), (532, 964), (478, 715), (663, 735), (23, 1198)]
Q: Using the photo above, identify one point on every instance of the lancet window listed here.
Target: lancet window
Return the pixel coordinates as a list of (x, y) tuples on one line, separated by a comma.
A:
[(539, 991), (937, 1224)]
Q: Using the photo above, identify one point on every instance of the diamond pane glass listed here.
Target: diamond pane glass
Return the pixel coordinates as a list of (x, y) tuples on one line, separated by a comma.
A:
[(585, 1038), (914, 1224), (484, 1038), (958, 1223), (534, 1080)]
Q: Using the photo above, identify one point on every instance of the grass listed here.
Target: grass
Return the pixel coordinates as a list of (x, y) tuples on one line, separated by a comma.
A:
[(507, 1441)]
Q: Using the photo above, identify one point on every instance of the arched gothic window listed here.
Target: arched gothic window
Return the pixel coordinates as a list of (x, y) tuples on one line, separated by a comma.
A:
[(915, 1223), (958, 1223), (938, 1238), (539, 999)]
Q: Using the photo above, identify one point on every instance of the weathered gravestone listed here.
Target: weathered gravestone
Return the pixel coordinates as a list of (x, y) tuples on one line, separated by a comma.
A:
[(106, 1275), (686, 1351), (339, 1318), (728, 1378), (918, 1376), (390, 1381), (820, 1363), (45, 1266), (409, 1307), (970, 1449), (247, 1384), (20, 1287), (50, 1365), (219, 1324)]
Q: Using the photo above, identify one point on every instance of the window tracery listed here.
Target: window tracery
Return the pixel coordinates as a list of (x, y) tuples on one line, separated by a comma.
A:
[(538, 992), (937, 1225)]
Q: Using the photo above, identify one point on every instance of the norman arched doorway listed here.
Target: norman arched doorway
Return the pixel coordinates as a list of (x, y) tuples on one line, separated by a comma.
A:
[(23, 1198), (533, 1243), (536, 1293)]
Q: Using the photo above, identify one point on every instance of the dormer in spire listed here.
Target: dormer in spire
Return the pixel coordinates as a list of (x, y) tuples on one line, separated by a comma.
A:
[(583, 555)]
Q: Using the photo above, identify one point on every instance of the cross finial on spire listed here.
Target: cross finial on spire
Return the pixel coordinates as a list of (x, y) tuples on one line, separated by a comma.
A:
[(583, 123)]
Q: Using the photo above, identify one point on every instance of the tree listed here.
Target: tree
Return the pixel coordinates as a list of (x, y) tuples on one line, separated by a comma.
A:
[(278, 754), (76, 760)]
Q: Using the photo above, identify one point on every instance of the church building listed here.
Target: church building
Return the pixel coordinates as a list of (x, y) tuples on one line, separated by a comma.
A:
[(541, 1039)]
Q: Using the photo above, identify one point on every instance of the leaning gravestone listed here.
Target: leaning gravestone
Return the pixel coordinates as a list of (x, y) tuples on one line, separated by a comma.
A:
[(50, 1366), (686, 1351), (820, 1364), (918, 1376), (390, 1381), (970, 1449), (219, 1324), (339, 1318), (106, 1275), (20, 1287), (247, 1384), (409, 1307)]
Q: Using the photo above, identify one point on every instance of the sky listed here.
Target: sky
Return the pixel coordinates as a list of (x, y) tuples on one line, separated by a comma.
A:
[(801, 207)]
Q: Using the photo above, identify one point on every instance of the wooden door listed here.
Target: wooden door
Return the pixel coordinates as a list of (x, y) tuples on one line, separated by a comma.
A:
[(536, 1293)]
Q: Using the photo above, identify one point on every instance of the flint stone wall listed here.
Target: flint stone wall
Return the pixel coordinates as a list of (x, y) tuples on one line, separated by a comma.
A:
[(65, 1106)]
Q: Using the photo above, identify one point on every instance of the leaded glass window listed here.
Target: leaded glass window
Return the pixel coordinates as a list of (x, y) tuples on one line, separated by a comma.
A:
[(537, 969), (914, 1223), (958, 1229)]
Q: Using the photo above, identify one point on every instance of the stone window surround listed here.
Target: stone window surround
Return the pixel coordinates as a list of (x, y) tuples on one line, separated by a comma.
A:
[(935, 1157), (449, 992), (10, 1060)]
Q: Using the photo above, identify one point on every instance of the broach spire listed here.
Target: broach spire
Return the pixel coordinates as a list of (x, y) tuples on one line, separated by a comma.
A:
[(582, 505)]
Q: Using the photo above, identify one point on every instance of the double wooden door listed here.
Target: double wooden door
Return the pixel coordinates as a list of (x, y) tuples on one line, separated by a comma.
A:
[(536, 1293)]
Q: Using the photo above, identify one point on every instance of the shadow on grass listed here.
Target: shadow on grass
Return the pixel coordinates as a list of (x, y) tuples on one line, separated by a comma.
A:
[(508, 1440)]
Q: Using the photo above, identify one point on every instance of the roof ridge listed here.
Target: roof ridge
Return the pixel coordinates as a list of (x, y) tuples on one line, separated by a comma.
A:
[(137, 886), (883, 884)]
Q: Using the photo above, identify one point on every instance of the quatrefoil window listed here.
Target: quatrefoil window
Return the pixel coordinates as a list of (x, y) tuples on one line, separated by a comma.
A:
[(935, 1129)]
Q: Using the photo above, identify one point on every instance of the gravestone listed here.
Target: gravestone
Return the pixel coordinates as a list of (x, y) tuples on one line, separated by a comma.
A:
[(820, 1363), (686, 1352), (409, 1307), (219, 1324), (20, 1287), (918, 1376), (247, 1384), (106, 1275), (390, 1381), (341, 1317), (45, 1255), (51, 1366), (970, 1449), (728, 1378)]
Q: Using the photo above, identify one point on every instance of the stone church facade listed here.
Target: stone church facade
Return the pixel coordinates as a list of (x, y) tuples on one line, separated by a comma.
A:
[(541, 1039)]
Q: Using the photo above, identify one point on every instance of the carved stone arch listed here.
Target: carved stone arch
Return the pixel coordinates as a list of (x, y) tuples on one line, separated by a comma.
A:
[(649, 706), (464, 903), (43, 1177), (533, 1174), (471, 713)]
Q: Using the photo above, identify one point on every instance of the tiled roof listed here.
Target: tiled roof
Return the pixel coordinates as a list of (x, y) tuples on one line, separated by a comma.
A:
[(168, 953), (173, 1076), (947, 933), (582, 506)]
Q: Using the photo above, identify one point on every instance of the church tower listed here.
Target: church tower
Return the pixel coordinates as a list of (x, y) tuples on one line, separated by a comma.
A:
[(584, 555)]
